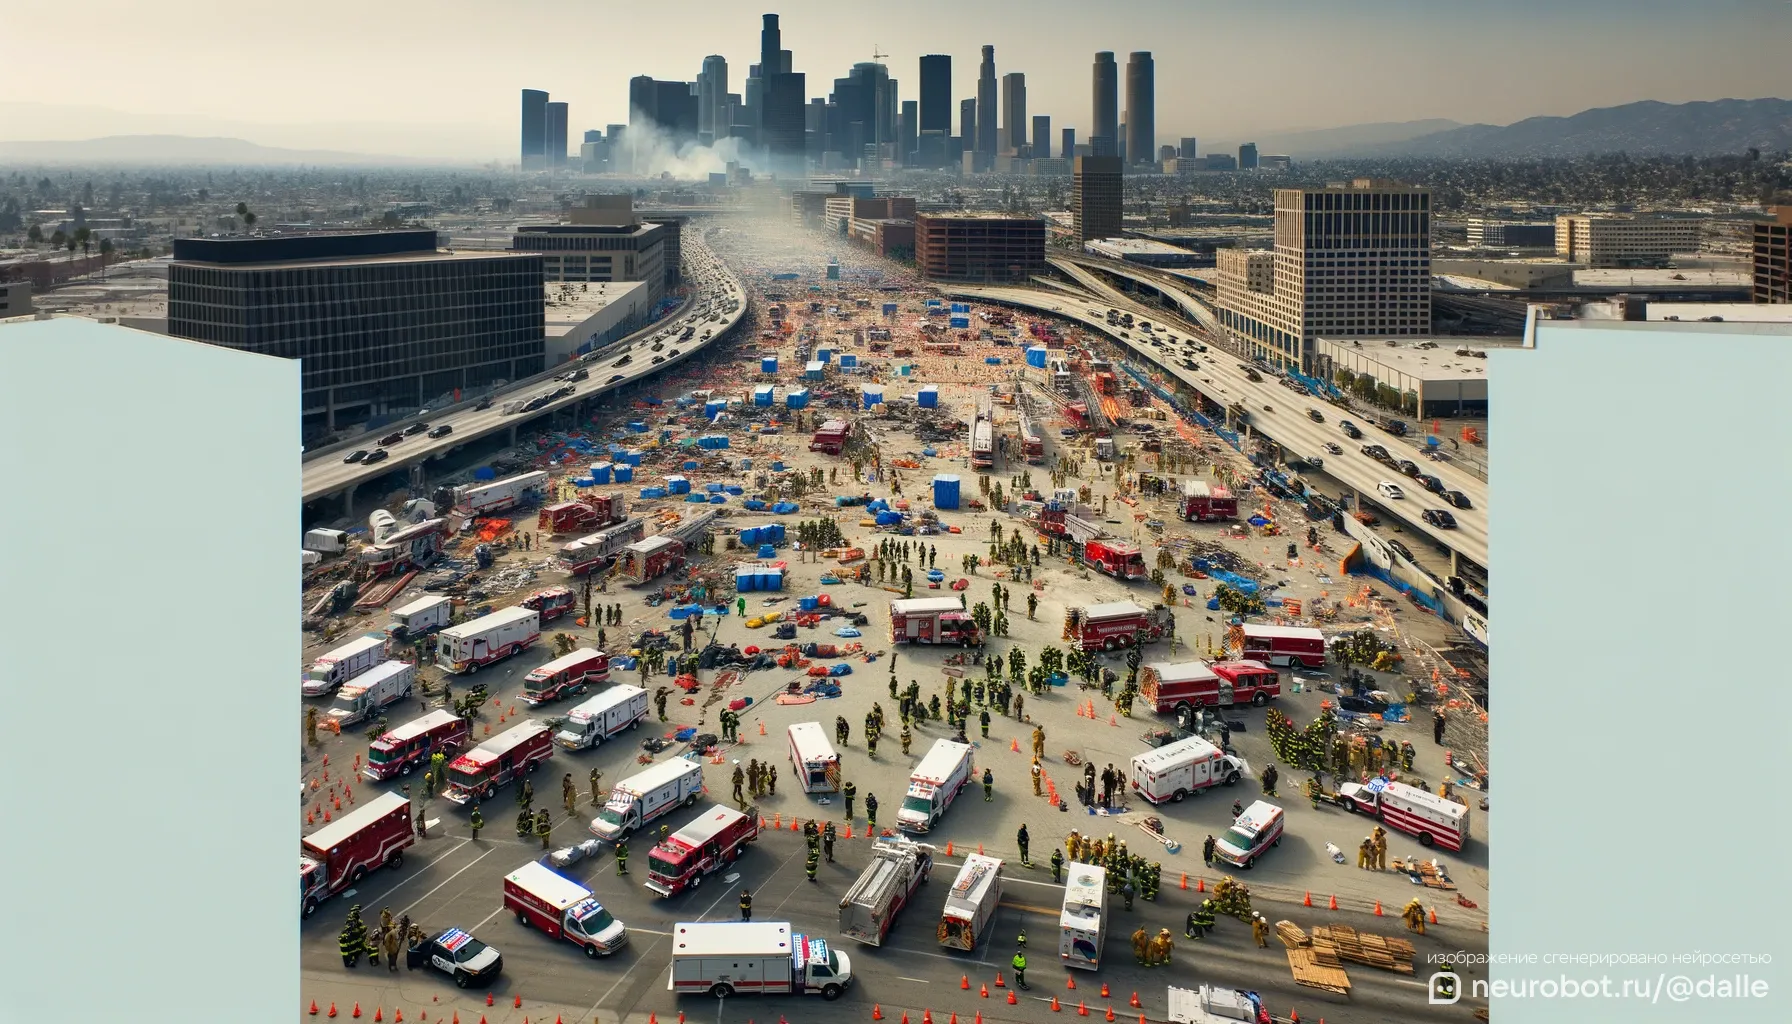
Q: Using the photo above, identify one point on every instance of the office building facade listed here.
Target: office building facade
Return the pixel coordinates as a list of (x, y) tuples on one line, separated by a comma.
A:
[(979, 247), (1097, 193), (1350, 260), (936, 94), (1040, 138), (713, 121), (986, 111), (1014, 115), (381, 321), (1104, 121), (556, 142), (1141, 107), (1506, 234), (1593, 240), (1067, 144), (535, 129), (604, 241), (1247, 157), (1770, 254), (1185, 148)]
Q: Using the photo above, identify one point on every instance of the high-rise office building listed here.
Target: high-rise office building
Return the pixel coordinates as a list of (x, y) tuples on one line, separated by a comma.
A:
[(535, 128), (1120, 143), (669, 106), (987, 118), (907, 131), (967, 121), (1349, 261), (782, 98), (712, 98), (1772, 240), (1041, 137), (1247, 157), (1141, 107), (556, 142), (770, 43), (1067, 144), (936, 94), (1104, 129), (1014, 114), (753, 105), (593, 135), (1185, 148), (1096, 195), (381, 322)]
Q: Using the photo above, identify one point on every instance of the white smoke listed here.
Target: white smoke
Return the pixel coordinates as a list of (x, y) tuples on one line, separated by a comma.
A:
[(648, 151)]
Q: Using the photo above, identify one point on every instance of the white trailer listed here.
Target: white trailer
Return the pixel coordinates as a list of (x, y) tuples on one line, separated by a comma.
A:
[(725, 958), (897, 869), (813, 758), (620, 707), (497, 496), (342, 664), (646, 795), (934, 784), (971, 903), (326, 542), (373, 690), (1177, 770), (1082, 923), (469, 646), (1210, 1005), (424, 615)]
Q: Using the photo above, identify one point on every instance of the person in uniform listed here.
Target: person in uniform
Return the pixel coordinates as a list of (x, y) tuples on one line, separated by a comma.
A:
[(1038, 777), (349, 941), (907, 736), (1126, 893), (1260, 930), (569, 793), (809, 865), (740, 778), (871, 812), (390, 944), (1019, 965), (525, 824), (1057, 865), (1140, 942), (1038, 742), (1022, 838), (373, 944), (1414, 916), (1204, 919), (476, 821), (827, 841), (1073, 844), (622, 856), (746, 905), (1161, 948), (848, 795), (989, 785), (525, 795), (597, 795), (1270, 775), (544, 826)]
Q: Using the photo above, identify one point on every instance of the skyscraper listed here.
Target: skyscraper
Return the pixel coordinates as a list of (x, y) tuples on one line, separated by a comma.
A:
[(1067, 147), (753, 105), (986, 110), (967, 123), (1095, 197), (770, 41), (1041, 137), (1185, 148), (556, 134), (712, 97), (1247, 157), (782, 99), (1141, 108), (535, 128), (1104, 125), (1014, 114), (907, 132), (936, 93)]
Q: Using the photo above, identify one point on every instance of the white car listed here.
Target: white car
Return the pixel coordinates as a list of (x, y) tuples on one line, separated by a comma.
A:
[(1390, 489)]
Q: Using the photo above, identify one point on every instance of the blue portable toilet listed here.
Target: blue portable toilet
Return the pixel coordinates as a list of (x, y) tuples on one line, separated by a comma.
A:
[(762, 395), (767, 551), (600, 472), (873, 395), (799, 399), (713, 488), (824, 355), (959, 323), (961, 307), (933, 303), (889, 309), (1036, 356), (768, 364), (625, 473), (678, 485), (814, 370), (632, 456), (945, 491), (848, 361), (928, 397)]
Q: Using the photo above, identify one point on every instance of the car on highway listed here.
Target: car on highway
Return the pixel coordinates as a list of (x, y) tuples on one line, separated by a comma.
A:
[(379, 455), (460, 956), (1456, 498), (1430, 483), (1376, 452), (1389, 489), (1334, 449), (1350, 429), (1315, 415), (1439, 518), (484, 403), (1405, 552), (392, 438), (415, 428), (442, 431), (1409, 467), (613, 380), (624, 361), (658, 360), (355, 456), (577, 375)]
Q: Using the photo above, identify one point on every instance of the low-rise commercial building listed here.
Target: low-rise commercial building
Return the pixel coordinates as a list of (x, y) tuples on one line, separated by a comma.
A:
[(979, 247), (1770, 257), (589, 315), (1598, 240), (1446, 376), (1144, 251), (605, 241)]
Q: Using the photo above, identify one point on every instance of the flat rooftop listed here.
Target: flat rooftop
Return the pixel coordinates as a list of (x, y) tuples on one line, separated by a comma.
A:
[(1436, 363), (566, 310), (1731, 312), (437, 256), (1628, 277), (1141, 246)]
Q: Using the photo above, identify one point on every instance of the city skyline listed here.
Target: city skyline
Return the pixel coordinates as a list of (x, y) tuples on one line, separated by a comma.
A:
[(471, 115)]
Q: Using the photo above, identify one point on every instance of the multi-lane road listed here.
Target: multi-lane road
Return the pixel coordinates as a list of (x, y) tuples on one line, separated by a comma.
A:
[(1279, 414), (718, 306)]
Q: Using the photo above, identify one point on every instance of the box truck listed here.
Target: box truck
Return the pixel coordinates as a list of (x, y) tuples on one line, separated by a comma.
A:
[(469, 646), (726, 958), (620, 707), (342, 664), (372, 691)]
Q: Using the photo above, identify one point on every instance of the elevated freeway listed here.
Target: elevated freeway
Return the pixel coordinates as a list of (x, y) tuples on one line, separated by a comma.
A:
[(718, 305), (1280, 415)]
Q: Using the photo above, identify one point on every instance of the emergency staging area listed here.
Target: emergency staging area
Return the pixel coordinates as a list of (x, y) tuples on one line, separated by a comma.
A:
[(1338, 970)]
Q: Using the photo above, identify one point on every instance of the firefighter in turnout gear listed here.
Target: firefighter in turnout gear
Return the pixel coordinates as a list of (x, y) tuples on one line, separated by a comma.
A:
[(1038, 775), (848, 795), (476, 821), (525, 795), (907, 737), (1057, 865), (1139, 943), (544, 826), (1314, 790), (989, 785), (1260, 930), (622, 856), (827, 841), (871, 812), (352, 937), (811, 863), (746, 905), (597, 795), (1160, 950), (1022, 839), (525, 824), (569, 793), (1414, 916)]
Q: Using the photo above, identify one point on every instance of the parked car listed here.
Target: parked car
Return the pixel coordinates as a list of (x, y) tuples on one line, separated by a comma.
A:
[(442, 431), (1439, 518), (458, 955), (1390, 489), (1456, 498), (355, 456)]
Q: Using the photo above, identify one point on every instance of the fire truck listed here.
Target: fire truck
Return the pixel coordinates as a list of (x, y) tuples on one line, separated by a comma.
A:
[(1105, 627), (831, 438), (1293, 646), (551, 603), (1119, 559), (712, 841), (898, 867), (1203, 502), (649, 559), (598, 550), (1181, 687), (1031, 443), (478, 773), (402, 750), (591, 512), (932, 620), (494, 497), (983, 439), (413, 547), (469, 646), (566, 676)]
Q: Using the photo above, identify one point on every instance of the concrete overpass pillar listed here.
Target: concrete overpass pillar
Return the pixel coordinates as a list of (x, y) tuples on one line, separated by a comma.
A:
[(512, 436), (1455, 567), (348, 500)]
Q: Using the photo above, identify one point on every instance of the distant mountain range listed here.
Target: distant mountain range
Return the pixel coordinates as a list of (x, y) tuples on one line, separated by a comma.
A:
[(184, 149), (1318, 143), (1641, 129)]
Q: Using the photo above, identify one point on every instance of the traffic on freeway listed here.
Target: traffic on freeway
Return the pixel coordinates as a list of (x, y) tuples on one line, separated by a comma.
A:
[(1284, 416), (718, 305)]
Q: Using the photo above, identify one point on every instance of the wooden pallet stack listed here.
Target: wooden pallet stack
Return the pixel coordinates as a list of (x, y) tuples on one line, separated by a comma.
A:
[(1307, 965), (1427, 872), (1291, 935), (1345, 944)]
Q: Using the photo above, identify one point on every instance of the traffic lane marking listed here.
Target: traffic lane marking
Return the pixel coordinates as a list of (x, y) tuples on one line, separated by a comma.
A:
[(445, 881)]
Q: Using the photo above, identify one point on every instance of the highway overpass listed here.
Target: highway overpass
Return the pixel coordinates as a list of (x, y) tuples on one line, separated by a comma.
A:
[(717, 307), (1279, 414)]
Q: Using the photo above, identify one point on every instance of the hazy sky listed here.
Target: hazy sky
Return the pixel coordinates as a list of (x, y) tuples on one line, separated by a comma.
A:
[(350, 74)]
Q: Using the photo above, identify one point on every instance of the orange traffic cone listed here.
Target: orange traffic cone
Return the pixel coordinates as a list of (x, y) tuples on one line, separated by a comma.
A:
[(1134, 1001), (1081, 1009), (948, 847), (651, 1018), (984, 991), (1055, 1006), (518, 1001), (357, 1010), (313, 1007), (1378, 912), (762, 727), (1104, 990), (1293, 1017), (979, 849), (849, 830), (1014, 746), (905, 1017), (1307, 901), (488, 1000), (979, 1019), (397, 1016), (926, 1017), (1433, 917), (998, 979), (964, 981), (764, 822), (332, 1012), (1185, 879), (954, 1019), (1011, 999), (1070, 983), (793, 826), (377, 1014), (877, 1012), (1200, 885), (1110, 1013)]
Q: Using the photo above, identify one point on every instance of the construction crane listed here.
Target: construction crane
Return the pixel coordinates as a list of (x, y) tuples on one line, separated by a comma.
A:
[(877, 52)]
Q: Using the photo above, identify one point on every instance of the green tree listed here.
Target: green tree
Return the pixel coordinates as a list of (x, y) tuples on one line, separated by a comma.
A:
[(35, 234)]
